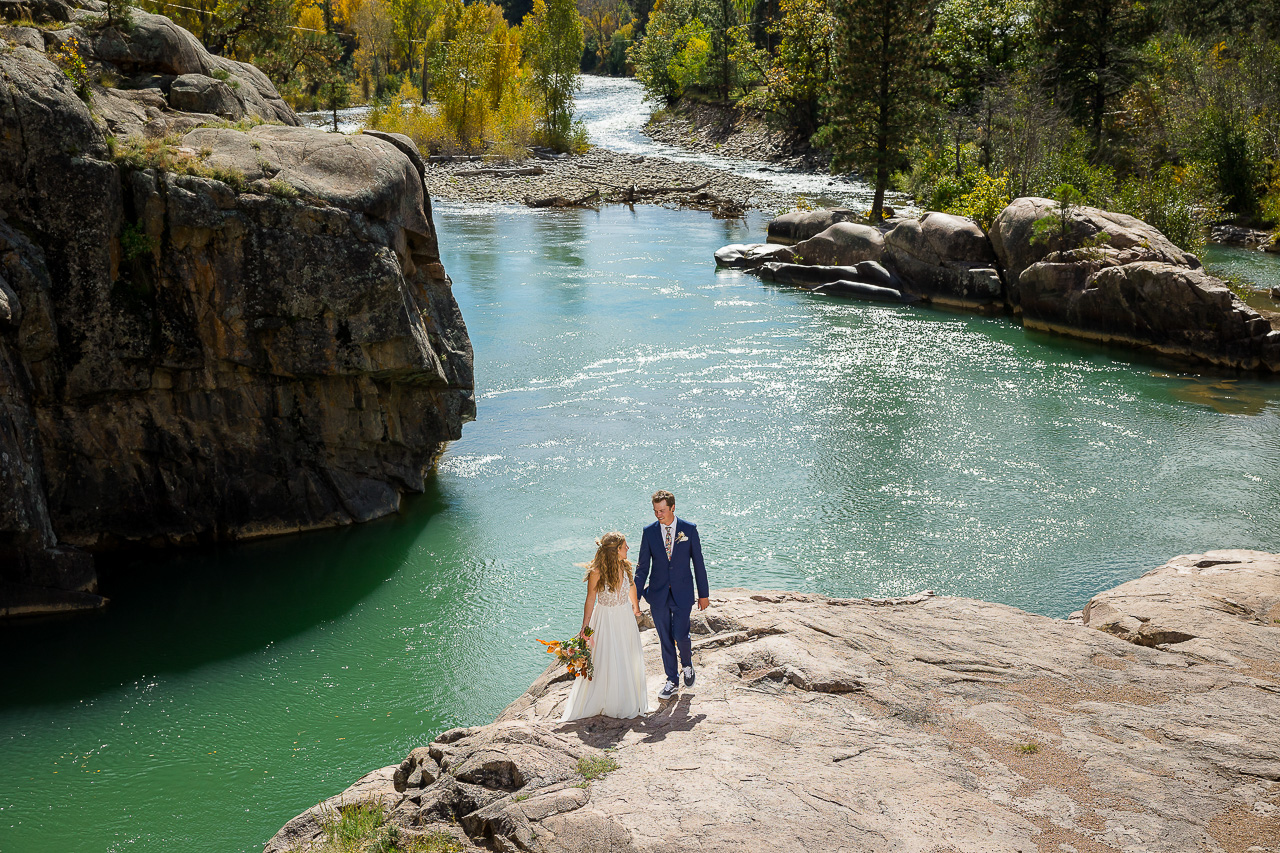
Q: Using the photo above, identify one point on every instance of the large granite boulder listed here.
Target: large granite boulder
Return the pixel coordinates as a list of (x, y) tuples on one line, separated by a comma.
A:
[(1172, 310), (946, 259), (803, 224), (236, 347), (1012, 232), (902, 724), (196, 93), (842, 244)]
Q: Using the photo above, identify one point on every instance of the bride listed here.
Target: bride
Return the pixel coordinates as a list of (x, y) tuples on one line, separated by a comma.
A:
[(618, 688)]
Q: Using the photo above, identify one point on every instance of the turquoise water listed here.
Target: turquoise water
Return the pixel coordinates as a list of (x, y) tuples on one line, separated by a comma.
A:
[(841, 447)]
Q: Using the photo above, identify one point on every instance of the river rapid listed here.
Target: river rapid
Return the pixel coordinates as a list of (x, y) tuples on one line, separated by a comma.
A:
[(847, 448)]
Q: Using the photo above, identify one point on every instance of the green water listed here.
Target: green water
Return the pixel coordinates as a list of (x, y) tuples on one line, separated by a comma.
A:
[(843, 447)]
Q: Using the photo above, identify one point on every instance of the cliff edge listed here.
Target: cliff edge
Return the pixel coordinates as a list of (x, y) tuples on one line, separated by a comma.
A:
[(208, 331), (1151, 722)]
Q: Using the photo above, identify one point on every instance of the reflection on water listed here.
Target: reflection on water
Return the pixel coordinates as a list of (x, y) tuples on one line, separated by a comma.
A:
[(821, 445)]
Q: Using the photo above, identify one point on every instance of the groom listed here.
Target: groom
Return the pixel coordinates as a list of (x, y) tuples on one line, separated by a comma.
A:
[(669, 545)]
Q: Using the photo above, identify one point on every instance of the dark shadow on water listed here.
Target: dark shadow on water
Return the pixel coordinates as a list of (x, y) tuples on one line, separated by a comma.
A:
[(175, 611)]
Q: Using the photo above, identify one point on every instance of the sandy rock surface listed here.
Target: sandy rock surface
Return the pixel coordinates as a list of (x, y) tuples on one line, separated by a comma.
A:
[(920, 724)]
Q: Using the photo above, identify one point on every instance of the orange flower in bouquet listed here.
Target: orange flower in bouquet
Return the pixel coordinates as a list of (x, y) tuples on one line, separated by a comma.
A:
[(573, 653)]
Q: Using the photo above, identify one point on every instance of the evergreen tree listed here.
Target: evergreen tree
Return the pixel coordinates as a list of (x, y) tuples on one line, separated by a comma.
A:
[(879, 89), (1092, 48)]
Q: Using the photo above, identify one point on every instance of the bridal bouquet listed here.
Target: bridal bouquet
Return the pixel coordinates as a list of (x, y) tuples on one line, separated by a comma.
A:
[(573, 653)]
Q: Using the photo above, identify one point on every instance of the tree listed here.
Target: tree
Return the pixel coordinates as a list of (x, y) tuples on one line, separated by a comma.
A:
[(372, 21), (879, 87), (461, 88), (601, 19), (798, 80), (552, 41), (1092, 49)]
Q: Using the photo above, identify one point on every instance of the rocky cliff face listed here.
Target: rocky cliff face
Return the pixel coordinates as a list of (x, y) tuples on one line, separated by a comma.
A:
[(224, 334), (1150, 723)]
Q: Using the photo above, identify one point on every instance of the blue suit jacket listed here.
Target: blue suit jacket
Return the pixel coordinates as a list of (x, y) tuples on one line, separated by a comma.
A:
[(672, 576)]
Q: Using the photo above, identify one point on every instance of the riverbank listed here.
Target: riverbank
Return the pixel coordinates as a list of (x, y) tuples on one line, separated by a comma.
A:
[(1145, 722), (602, 175), (730, 131)]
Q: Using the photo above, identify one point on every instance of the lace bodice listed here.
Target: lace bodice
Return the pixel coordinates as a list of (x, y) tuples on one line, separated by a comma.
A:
[(619, 596)]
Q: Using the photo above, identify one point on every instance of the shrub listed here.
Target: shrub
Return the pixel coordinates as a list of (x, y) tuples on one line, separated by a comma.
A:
[(592, 767), (72, 64), (1179, 201), (362, 828), (984, 202), (134, 242)]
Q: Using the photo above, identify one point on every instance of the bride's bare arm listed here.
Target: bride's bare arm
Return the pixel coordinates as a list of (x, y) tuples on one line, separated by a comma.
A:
[(592, 579), (635, 602)]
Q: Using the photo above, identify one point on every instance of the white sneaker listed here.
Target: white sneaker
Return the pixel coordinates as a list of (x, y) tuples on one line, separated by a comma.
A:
[(688, 676), (668, 690)]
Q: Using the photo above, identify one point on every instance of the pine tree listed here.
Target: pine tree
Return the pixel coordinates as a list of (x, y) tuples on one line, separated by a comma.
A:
[(1092, 49), (879, 88)]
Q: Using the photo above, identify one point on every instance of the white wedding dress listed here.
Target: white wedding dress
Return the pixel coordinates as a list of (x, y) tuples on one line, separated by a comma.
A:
[(618, 688)]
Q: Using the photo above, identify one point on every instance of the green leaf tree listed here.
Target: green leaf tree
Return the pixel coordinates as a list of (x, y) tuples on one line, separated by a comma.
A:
[(552, 41)]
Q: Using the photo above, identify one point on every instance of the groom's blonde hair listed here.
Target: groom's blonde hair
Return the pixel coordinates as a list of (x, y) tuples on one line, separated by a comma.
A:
[(612, 568)]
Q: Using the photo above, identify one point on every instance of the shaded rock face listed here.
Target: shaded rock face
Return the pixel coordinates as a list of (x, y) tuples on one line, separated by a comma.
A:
[(180, 362), (946, 259), (864, 725)]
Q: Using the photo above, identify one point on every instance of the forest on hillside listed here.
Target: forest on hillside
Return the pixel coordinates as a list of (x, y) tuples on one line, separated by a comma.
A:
[(1168, 109)]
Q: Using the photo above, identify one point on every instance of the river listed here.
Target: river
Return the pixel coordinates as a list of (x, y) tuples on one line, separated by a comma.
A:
[(847, 448)]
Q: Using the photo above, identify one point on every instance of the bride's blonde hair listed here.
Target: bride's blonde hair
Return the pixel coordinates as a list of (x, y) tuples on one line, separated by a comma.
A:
[(612, 568)]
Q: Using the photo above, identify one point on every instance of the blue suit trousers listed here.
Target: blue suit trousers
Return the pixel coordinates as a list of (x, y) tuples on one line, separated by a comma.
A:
[(672, 623)]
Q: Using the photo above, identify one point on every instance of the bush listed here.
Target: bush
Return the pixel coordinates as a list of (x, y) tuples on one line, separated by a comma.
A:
[(984, 202), (1179, 201)]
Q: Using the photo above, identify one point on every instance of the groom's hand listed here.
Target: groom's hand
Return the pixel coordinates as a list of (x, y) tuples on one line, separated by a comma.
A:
[(704, 603)]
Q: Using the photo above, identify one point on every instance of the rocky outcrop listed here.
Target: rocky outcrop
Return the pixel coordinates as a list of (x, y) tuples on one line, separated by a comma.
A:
[(871, 725), (946, 259), (1112, 278), (842, 244), (237, 334), (802, 224)]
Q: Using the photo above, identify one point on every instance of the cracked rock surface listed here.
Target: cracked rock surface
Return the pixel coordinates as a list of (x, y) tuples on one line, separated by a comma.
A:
[(919, 724)]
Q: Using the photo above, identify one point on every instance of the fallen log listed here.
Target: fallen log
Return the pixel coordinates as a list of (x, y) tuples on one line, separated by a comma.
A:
[(561, 201), (500, 172)]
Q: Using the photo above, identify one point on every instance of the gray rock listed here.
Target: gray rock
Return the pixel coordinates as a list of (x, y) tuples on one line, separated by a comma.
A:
[(196, 93), (1172, 310), (1011, 236), (842, 244), (747, 256), (803, 224), (946, 259), (23, 37), (828, 724), (862, 290), (264, 365)]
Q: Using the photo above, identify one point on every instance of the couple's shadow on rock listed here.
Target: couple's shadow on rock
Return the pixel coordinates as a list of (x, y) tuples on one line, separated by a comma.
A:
[(672, 716)]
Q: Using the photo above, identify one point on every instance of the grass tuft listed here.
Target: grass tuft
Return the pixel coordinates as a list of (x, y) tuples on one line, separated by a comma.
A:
[(363, 828), (592, 767), (1030, 748)]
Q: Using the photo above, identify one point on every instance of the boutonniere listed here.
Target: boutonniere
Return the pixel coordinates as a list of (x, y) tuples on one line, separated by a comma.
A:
[(680, 537)]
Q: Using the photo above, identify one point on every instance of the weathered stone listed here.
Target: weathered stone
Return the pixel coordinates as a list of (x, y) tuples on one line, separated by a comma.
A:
[(803, 224), (871, 725), (241, 365), (1172, 310), (1220, 605), (23, 37), (749, 256), (1012, 231), (196, 93), (862, 290), (945, 259), (842, 244)]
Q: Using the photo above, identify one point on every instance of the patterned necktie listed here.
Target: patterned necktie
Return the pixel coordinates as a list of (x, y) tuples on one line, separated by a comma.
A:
[(668, 529)]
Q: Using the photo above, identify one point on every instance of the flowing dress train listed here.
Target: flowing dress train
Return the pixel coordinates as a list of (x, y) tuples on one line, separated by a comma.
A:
[(618, 688)]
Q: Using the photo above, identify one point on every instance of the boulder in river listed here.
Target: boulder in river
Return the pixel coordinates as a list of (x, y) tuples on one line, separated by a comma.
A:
[(946, 259), (861, 724), (842, 244), (803, 224), (749, 256)]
